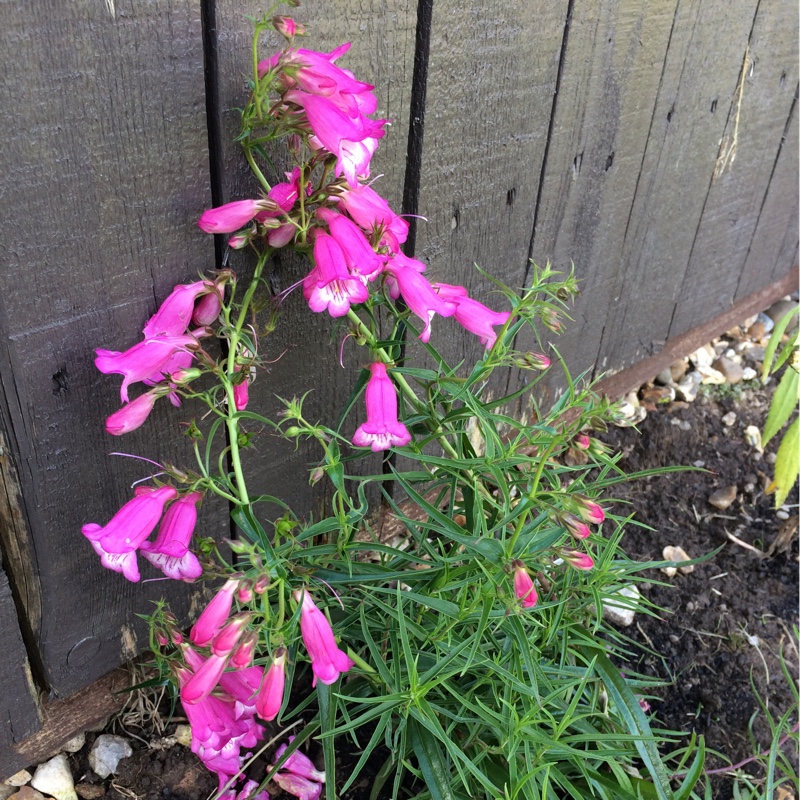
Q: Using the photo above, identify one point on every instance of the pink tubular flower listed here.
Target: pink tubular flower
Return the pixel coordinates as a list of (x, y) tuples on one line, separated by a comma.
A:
[(298, 786), (579, 560), (208, 307), (230, 217), (130, 526), (242, 656), (299, 764), (588, 510), (359, 256), (329, 285), (170, 552), (132, 415), (204, 680), (372, 213), (210, 622), (472, 315), (327, 660), (270, 696), (580, 530), (175, 313), (523, 586), (382, 429), (142, 361), (418, 294), (224, 642)]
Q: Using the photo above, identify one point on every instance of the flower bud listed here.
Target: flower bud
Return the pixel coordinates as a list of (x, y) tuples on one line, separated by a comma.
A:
[(207, 308), (582, 442), (184, 376), (287, 27), (579, 529), (227, 639), (536, 360), (242, 656), (245, 592), (262, 584), (270, 696), (241, 239), (316, 476), (578, 560), (588, 510), (523, 586)]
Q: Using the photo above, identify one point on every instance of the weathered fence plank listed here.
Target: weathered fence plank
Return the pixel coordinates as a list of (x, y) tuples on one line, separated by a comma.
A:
[(105, 170), (610, 79), (18, 701), (757, 116), (382, 52), (491, 81), (706, 48)]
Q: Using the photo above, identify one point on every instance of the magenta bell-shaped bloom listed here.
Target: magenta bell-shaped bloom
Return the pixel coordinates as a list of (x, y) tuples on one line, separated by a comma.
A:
[(299, 764), (298, 786), (382, 429), (327, 660), (360, 258), (210, 622), (329, 285), (418, 294), (170, 552), (523, 586), (132, 415), (472, 315), (372, 213), (230, 217), (175, 314), (143, 361), (270, 696), (204, 680)]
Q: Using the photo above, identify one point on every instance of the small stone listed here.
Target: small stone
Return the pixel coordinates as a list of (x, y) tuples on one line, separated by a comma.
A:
[(657, 394), (664, 377), (766, 321), (778, 310), (728, 419), (748, 374), (622, 612), (54, 777), (749, 488), (106, 753), (757, 331), (781, 514), (699, 463), (691, 607), (183, 735), (90, 791), (74, 744), (19, 778), (670, 572), (678, 554), (674, 638), (7, 791), (703, 356), (26, 793), (711, 376), (752, 435), (731, 371), (686, 390), (677, 369), (723, 498), (755, 353), (771, 458)]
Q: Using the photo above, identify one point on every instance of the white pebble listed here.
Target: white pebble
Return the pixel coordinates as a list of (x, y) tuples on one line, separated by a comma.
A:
[(621, 612), (55, 778), (107, 751), (74, 744), (19, 778), (782, 514), (748, 373), (729, 418)]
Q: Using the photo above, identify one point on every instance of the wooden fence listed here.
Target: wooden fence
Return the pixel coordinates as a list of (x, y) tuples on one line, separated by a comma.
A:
[(652, 142)]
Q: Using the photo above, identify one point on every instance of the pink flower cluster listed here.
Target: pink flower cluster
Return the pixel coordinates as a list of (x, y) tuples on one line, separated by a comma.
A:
[(118, 542), (163, 358), (299, 776), (223, 693)]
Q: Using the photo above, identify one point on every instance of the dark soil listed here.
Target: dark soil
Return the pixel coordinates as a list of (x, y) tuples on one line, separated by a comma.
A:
[(703, 643)]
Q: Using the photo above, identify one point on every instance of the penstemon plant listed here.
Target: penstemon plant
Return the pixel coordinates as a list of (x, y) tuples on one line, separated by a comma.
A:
[(467, 655)]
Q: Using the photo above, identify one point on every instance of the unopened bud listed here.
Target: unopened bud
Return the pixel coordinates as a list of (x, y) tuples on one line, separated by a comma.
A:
[(243, 655), (578, 560), (184, 376), (316, 476), (287, 27), (536, 360), (207, 308), (578, 528), (292, 430), (262, 584), (588, 510), (245, 591), (241, 239), (552, 320), (582, 442), (162, 638)]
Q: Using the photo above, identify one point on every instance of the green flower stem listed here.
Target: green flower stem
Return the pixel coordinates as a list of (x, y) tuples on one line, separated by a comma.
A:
[(231, 422), (359, 662)]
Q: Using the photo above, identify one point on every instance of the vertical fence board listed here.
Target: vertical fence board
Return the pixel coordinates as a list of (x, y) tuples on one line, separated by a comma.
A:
[(491, 79), (105, 163), (382, 52), (773, 248), (756, 126), (706, 48), (611, 75)]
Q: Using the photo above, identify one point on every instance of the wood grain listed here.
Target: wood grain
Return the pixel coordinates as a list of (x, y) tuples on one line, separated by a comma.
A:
[(307, 345), (106, 169)]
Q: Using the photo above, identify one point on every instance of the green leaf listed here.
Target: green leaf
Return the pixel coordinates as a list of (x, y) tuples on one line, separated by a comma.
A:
[(775, 340), (327, 716), (431, 762), (787, 465), (627, 704), (245, 519), (694, 773), (784, 402)]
